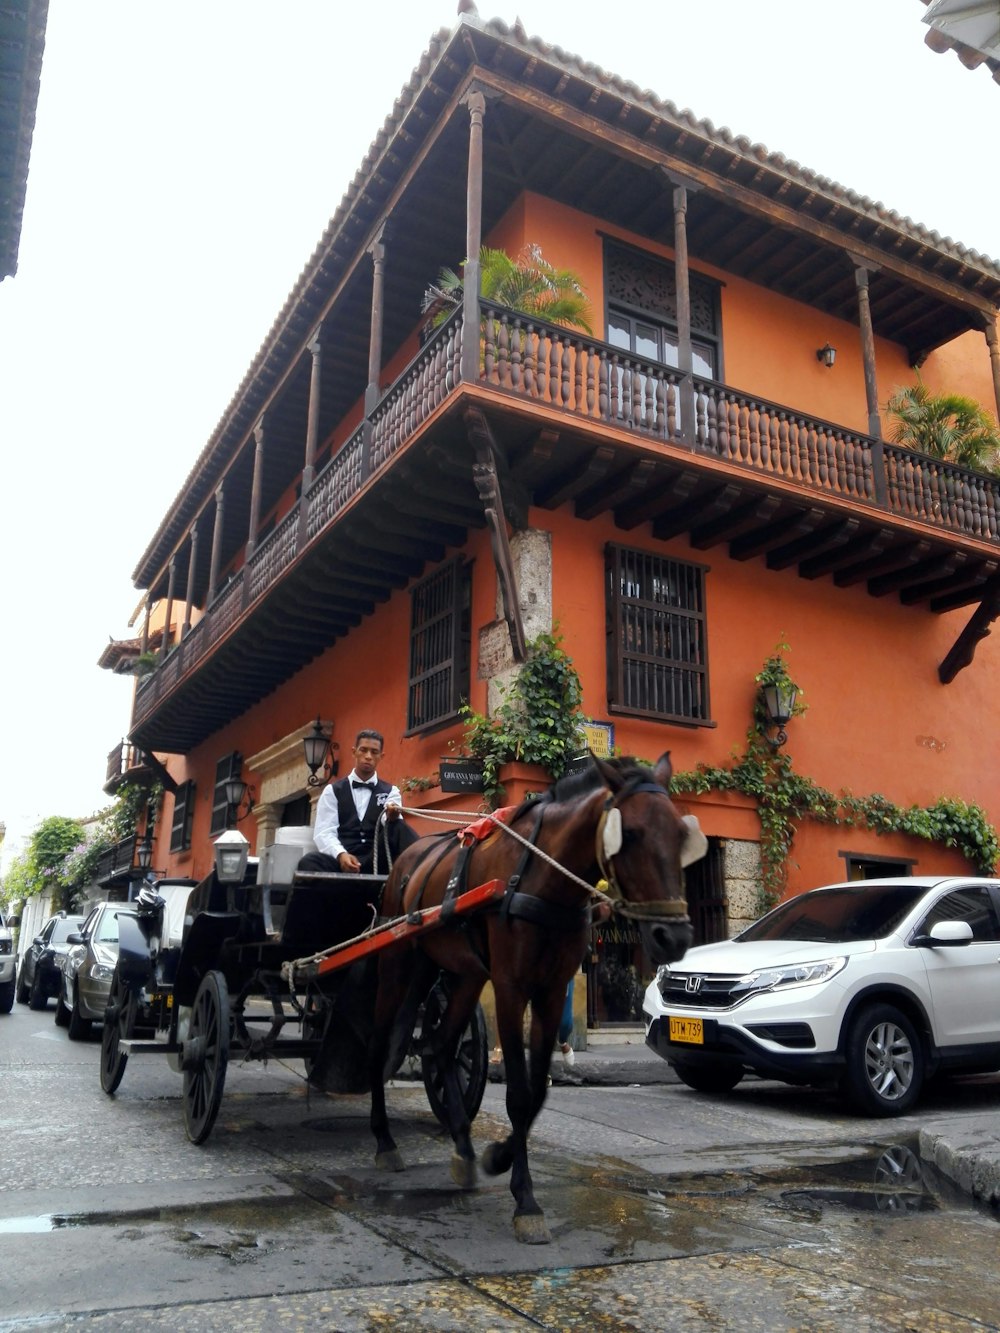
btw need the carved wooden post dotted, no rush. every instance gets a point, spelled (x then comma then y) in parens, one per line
(171, 580)
(189, 597)
(990, 329)
(685, 358)
(871, 387)
(144, 640)
(220, 516)
(255, 489)
(476, 103)
(312, 435)
(377, 252)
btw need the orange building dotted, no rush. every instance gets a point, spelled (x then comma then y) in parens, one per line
(388, 508)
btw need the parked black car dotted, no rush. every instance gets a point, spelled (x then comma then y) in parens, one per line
(39, 976)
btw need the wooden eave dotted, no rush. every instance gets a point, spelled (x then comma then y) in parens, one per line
(566, 129)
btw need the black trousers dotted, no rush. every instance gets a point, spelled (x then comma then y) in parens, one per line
(396, 834)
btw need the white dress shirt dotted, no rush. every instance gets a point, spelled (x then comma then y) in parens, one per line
(326, 834)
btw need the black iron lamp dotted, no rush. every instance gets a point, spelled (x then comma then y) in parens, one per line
(144, 853)
(239, 797)
(826, 355)
(321, 752)
(779, 705)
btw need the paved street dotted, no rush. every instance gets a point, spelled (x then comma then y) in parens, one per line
(770, 1209)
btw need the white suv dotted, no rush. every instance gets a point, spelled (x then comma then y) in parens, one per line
(871, 986)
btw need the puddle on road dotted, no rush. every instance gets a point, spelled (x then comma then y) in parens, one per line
(631, 1207)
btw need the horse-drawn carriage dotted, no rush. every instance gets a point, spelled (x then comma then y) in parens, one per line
(257, 962)
(244, 955)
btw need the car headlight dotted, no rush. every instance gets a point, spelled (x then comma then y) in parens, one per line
(790, 974)
(101, 972)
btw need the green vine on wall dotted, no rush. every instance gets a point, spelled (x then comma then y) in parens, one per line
(784, 799)
(538, 720)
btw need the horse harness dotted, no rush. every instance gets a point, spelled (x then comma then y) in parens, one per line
(527, 907)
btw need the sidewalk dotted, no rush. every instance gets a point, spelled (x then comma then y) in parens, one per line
(966, 1150)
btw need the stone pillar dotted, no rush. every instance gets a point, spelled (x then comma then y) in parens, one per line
(268, 819)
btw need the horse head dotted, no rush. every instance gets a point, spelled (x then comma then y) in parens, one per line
(643, 845)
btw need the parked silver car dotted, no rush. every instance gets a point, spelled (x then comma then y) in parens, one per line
(86, 970)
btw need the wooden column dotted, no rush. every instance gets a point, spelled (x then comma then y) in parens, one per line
(258, 477)
(868, 350)
(217, 530)
(992, 341)
(171, 581)
(189, 597)
(476, 103)
(685, 358)
(144, 640)
(377, 252)
(312, 420)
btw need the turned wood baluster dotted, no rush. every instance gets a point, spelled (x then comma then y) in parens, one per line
(660, 405)
(529, 363)
(593, 367)
(608, 387)
(517, 336)
(555, 363)
(637, 388)
(671, 410)
(503, 354)
(567, 374)
(578, 394)
(785, 462)
(489, 348)
(701, 419)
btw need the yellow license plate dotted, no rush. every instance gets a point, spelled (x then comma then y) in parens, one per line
(687, 1029)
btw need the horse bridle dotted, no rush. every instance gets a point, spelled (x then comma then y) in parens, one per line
(608, 843)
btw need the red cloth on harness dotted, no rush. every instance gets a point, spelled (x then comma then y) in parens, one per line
(480, 829)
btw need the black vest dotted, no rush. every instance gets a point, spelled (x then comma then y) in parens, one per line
(358, 835)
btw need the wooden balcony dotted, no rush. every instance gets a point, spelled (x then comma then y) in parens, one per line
(579, 422)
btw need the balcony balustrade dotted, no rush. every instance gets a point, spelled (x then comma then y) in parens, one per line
(593, 382)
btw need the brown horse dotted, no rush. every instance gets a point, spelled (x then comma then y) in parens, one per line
(613, 820)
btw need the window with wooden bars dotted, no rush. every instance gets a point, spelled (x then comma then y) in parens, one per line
(183, 821)
(656, 636)
(230, 766)
(440, 640)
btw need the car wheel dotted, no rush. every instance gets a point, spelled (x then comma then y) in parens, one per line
(885, 1062)
(6, 997)
(62, 1013)
(37, 999)
(709, 1078)
(78, 1027)
(22, 988)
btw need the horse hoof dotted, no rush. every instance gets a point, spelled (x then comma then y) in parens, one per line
(392, 1160)
(495, 1161)
(463, 1172)
(530, 1229)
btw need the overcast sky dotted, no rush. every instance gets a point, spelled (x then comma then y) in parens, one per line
(186, 158)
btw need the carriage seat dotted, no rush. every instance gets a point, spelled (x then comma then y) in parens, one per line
(278, 862)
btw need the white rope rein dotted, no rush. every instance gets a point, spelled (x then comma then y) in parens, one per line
(460, 819)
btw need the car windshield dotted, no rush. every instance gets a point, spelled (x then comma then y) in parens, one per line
(107, 927)
(839, 916)
(64, 927)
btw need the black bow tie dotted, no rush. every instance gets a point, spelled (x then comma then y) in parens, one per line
(368, 786)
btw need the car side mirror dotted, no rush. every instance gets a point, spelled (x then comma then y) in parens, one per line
(945, 932)
(38, 940)
(75, 938)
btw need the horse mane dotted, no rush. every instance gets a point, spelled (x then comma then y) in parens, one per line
(583, 781)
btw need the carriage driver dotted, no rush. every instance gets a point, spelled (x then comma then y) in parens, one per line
(348, 811)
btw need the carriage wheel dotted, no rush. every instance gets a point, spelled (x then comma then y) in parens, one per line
(206, 1055)
(119, 1025)
(472, 1062)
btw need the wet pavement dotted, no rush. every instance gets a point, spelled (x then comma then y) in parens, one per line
(769, 1209)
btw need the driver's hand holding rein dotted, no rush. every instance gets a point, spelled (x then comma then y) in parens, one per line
(348, 812)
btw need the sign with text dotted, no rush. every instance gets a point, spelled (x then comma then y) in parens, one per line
(460, 775)
(600, 738)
